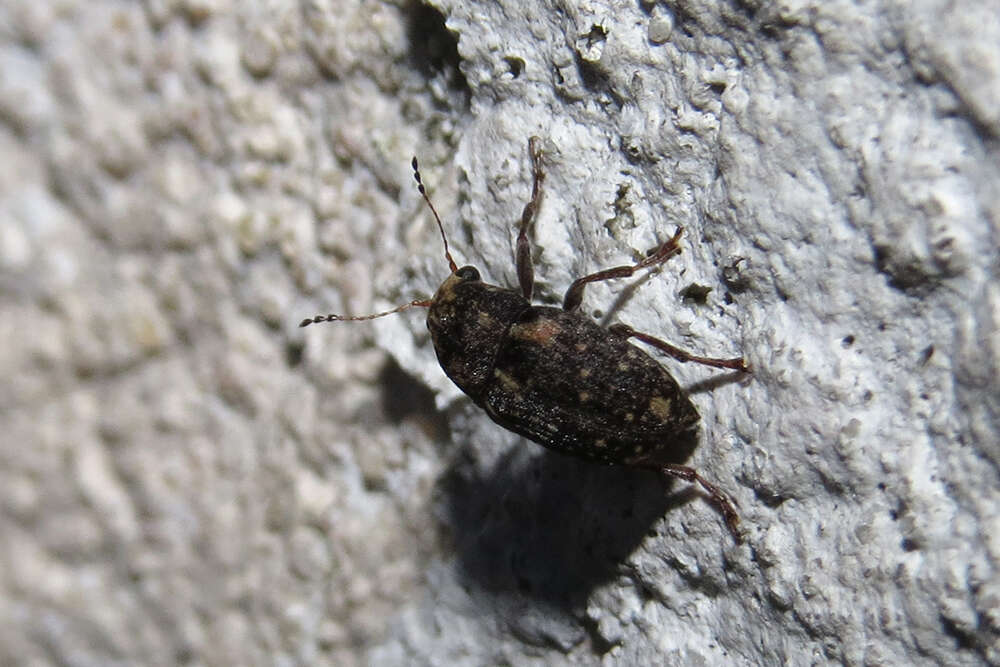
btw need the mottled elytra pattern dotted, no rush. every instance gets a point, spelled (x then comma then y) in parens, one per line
(552, 374)
(615, 405)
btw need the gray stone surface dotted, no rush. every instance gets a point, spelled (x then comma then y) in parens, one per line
(188, 478)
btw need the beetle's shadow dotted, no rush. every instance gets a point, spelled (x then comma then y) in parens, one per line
(549, 527)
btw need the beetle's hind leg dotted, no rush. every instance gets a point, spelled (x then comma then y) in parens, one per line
(574, 295)
(721, 501)
(525, 270)
(738, 364)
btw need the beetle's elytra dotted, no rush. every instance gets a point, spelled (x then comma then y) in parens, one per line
(552, 374)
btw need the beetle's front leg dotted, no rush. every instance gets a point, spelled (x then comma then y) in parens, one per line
(525, 270)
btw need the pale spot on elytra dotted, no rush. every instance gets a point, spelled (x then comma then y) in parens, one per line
(660, 406)
(585, 373)
(584, 396)
(601, 443)
(507, 381)
(629, 416)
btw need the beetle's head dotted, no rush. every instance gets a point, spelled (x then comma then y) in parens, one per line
(468, 320)
(456, 296)
(463, 276)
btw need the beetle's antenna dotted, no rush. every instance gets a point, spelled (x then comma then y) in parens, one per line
(426, 303)
(423, 193)
(420, 303)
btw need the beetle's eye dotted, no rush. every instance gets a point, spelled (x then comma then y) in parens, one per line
(468, 273)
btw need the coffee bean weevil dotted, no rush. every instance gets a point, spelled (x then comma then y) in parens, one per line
(552, 374)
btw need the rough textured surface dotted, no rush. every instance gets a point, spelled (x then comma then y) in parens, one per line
(186, 477)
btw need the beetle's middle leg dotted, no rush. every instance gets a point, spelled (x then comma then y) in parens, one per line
(738, 364)
(574, 295)
(525, 270)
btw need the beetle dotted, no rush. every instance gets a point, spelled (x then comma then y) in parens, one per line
(554, 375)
